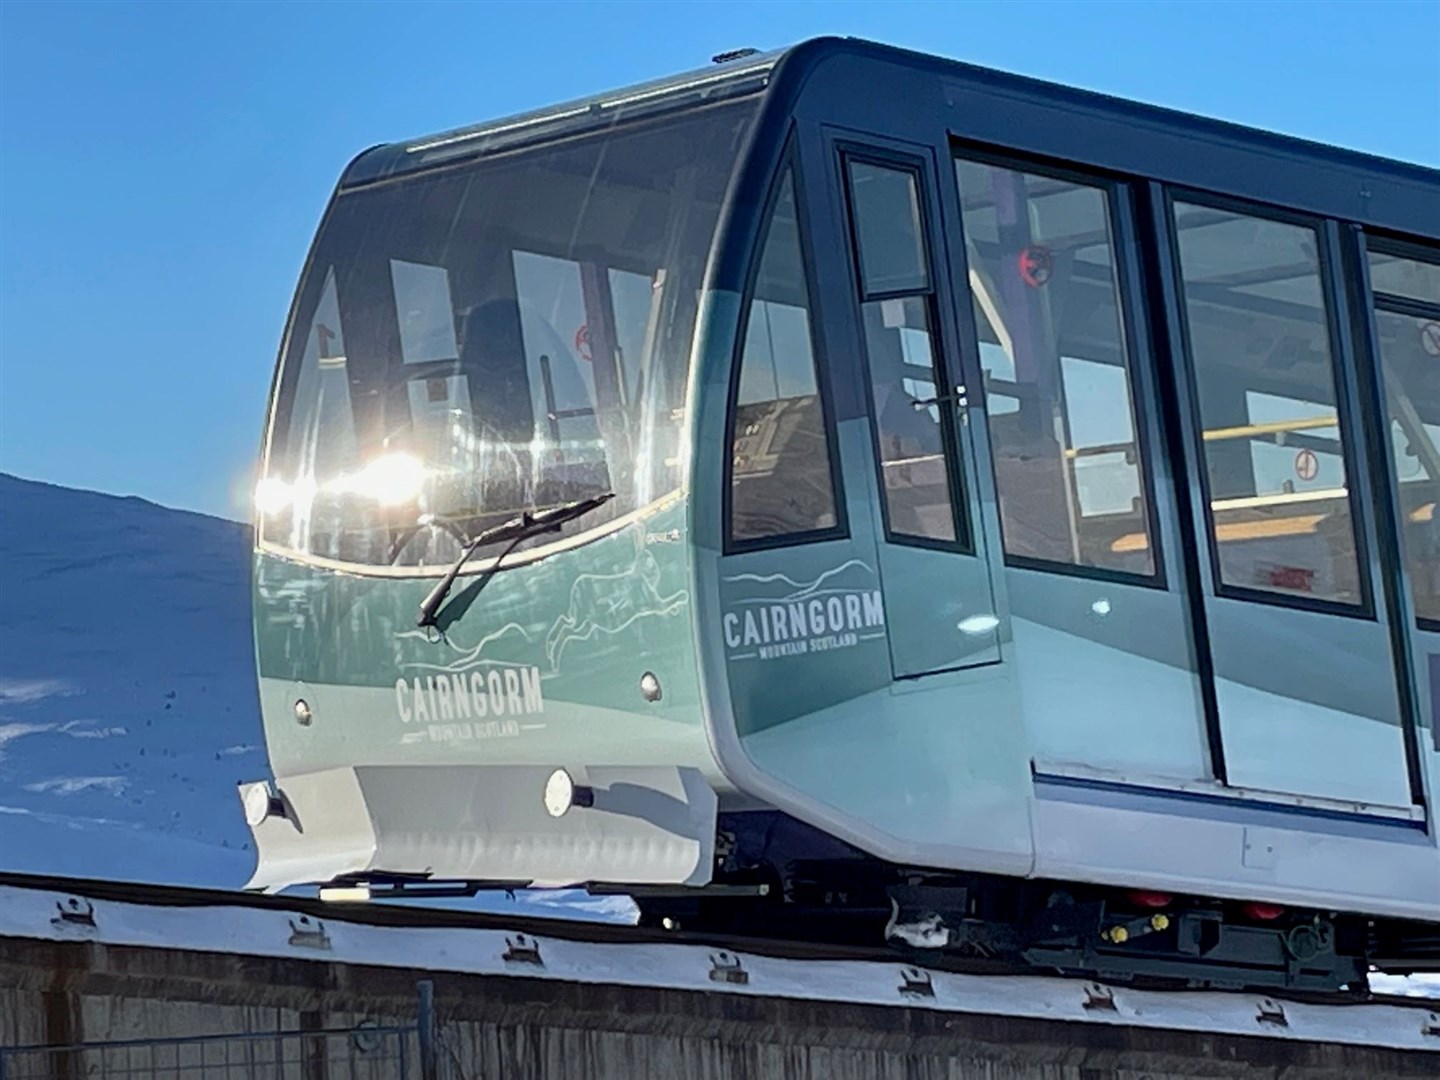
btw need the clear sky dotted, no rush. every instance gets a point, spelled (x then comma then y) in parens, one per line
(163, 165)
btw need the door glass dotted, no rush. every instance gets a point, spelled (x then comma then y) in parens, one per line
(907, 419)
(888, 229)
(1060, 403)
(1265, 382)
(1409, 339)
(913, 408)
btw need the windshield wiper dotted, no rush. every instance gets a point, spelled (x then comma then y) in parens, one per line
(525, 525)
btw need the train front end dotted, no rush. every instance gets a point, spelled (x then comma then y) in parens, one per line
(473, 609)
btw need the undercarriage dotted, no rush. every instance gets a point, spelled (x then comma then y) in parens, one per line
(766, 888)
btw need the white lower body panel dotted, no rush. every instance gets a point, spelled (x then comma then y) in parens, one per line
(1236, 849)
(489, 823)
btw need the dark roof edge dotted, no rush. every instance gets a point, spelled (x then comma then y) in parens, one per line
(1160, 115)
(798, 59)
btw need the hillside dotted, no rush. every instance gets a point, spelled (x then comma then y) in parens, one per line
(128, 707)
(128, 704)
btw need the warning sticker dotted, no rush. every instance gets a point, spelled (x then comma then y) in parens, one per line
(1307, 465)
(1036, 265)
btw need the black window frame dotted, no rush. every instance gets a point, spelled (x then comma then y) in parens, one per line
(788, 164)
(1395, 304)
(848, 151)
(1141, 368)
(1347, 420)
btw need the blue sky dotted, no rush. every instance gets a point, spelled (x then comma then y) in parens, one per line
(163, 165)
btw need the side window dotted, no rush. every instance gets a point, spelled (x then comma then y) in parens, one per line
(1406, 287)
(1265, 380)
(913, 408)
(781, 482)
(1060, 400)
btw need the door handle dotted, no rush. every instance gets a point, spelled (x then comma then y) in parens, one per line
(959, 398)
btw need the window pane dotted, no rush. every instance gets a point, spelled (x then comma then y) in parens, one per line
(1410, 359)
(1399, 276)
(1265, 381)
(1057, 374)
(912, 447)
(887, 228)
(781, 479)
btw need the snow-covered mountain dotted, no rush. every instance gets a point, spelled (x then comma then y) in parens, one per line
(128, 707)
(128, 704)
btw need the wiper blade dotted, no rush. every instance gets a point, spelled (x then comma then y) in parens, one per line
(521, 527)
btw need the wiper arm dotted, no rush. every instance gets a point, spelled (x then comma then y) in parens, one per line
(527, 524)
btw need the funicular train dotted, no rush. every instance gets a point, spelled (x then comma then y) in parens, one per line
(847, 493)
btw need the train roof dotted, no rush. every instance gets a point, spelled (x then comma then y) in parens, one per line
(783, 73)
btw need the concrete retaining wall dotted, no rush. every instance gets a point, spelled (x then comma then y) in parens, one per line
(521, 1028)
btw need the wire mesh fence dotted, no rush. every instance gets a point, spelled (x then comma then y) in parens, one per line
(365, 1053)
(368, 1051)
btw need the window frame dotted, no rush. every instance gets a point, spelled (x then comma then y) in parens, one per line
(1347, 420)
(1375, 301)
(1140, 365)
(847, 151)
(787, 164)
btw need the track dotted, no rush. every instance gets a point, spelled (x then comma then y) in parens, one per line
(56, 895)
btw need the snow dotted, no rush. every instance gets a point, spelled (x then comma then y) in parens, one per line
(128, 702)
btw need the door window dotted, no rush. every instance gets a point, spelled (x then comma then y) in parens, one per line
(1060, 400)
(914, 406)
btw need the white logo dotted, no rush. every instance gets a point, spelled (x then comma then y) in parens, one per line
(806, 619)
(500, 691)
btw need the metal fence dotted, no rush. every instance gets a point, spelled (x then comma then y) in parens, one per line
(365, 1052)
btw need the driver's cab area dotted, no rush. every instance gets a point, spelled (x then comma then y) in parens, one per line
(498, 336)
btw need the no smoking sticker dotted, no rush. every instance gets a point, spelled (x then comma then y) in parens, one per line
(1430, 337)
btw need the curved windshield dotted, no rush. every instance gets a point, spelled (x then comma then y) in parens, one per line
(498, 336)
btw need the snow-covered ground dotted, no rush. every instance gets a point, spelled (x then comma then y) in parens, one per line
(128, 707)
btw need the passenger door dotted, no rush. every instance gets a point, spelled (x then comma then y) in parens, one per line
(1097, 592)
(938, 591)
(1297, 626)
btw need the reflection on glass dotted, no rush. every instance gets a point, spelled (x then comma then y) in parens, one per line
(1265, 382)
(907, 421)
(1060, 408)
(520, 325)
(1410, 365)
(780, 459)
(423, 312)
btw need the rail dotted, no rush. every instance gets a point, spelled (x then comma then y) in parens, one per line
(448, 940)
